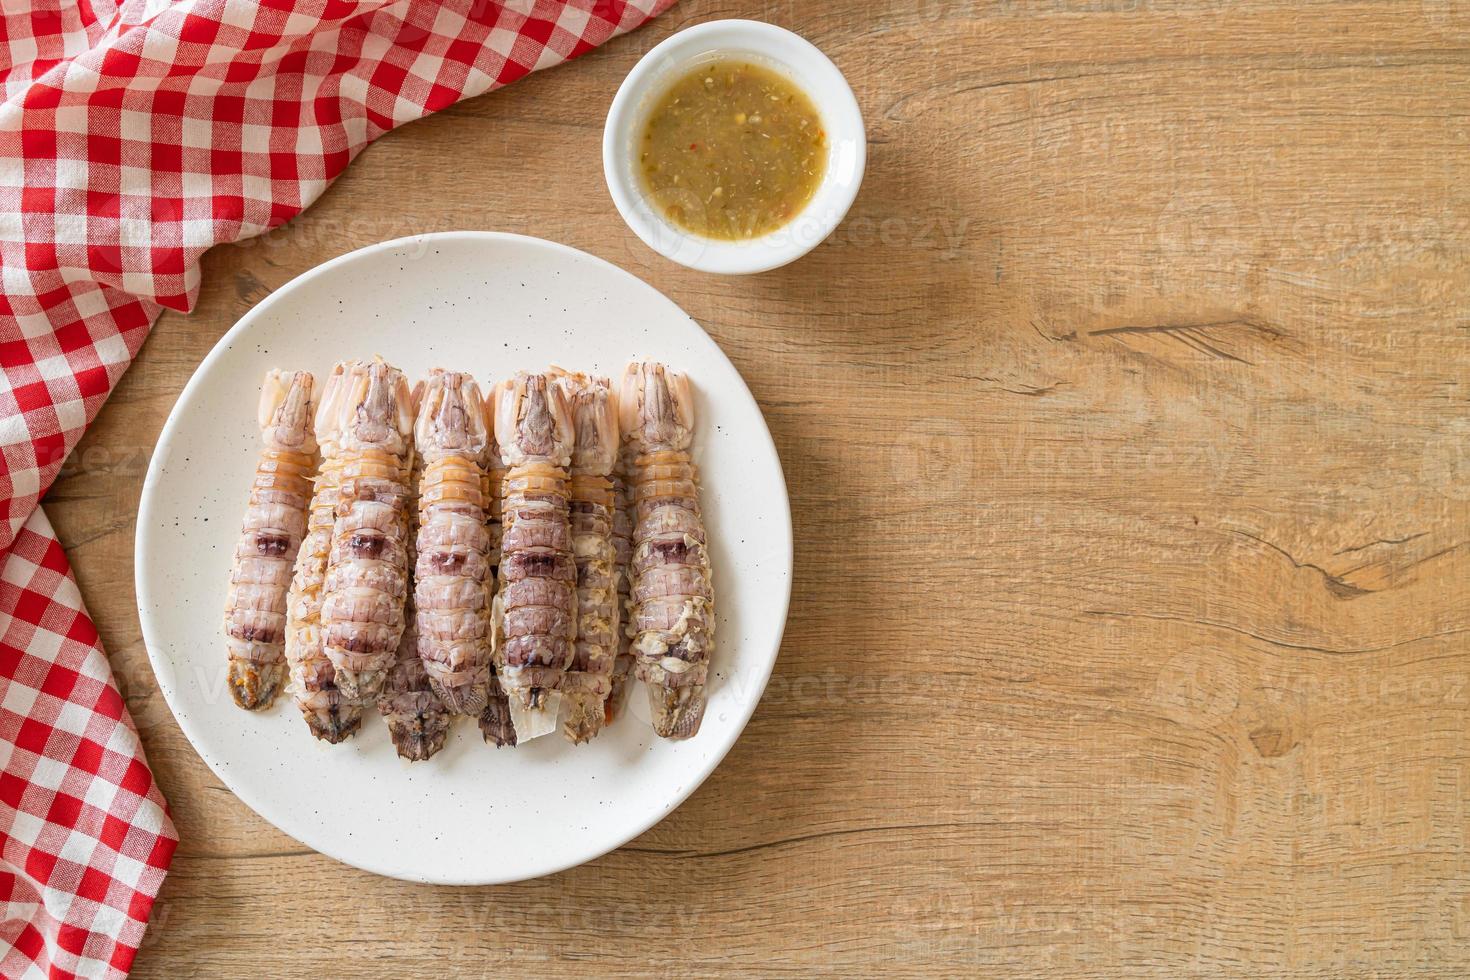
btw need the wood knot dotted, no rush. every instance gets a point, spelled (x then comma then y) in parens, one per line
(1271, 720)
(1272, 742)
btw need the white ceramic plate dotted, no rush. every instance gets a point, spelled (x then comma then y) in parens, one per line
(473, 814)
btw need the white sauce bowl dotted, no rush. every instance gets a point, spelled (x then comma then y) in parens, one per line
(775, 48)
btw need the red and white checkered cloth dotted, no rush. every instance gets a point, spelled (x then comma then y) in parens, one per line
(133, 137)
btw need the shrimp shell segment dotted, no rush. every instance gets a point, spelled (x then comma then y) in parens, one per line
(270, 538)
(537, 604)
(370, 417)
(452, 582)
(672, 594)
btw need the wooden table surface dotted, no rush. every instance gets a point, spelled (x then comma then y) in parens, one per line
(1126, 428)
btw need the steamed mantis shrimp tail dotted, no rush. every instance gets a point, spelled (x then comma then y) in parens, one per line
(418, 721)
(673, 597)
(270, 537)
(496, 724)
(418, 725)
(371, 420)
(538, 597)
(453, 579)
(330, 716)
(584, 716)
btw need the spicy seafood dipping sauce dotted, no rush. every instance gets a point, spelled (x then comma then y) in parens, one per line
(732, 150)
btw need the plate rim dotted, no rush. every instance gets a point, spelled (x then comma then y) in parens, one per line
(151, 634)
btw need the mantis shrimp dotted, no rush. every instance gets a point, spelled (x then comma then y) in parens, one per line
(328, 714)
(275, 522)
(417, 720)
(537, 604)
(673, 598)
(588, 680)
(452, 579)
(369, 416)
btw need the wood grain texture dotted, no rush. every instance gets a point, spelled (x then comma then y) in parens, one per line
(1126, 428)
